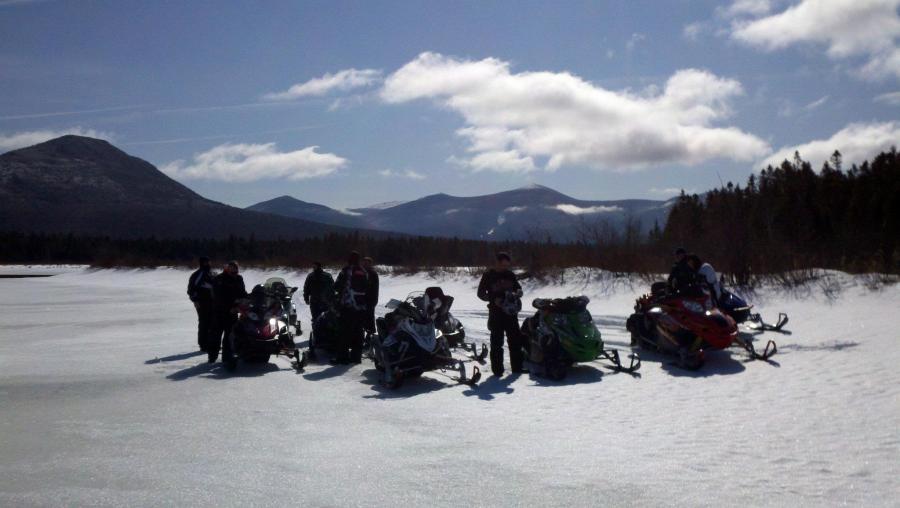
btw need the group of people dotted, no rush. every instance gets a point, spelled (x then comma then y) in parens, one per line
(354, 296)
(690, 273)
(214, 296)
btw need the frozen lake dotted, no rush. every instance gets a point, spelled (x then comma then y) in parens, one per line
(105, 402)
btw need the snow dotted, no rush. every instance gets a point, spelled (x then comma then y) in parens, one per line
(104, 402)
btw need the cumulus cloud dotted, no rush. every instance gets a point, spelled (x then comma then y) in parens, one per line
(347, 79)
(857, 142)
(27, 138)
(251, 162)
(412, 175)
(585, 210)
(520, 122)
(847, 28)
(746, 7)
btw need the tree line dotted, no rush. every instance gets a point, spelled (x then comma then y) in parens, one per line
(784, 219)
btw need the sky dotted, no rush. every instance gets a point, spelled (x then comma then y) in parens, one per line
(349, 104)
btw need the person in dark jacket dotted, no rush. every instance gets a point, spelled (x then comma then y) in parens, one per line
(372, 293)
(682, 277)
(500, 288)
(228, 287)
(318, 290)
(200, 291)
(352, 288)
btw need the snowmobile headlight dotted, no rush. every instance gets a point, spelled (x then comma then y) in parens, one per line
(273, 323)
(693, 306)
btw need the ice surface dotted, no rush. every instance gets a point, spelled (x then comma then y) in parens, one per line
(103, 401)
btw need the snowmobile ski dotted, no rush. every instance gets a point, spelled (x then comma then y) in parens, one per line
(475, 354)
(762, 325)
(612, 355)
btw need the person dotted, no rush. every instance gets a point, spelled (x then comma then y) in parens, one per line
(681, 277)
(707, 275)
(500, 288)
(372, 293)
(228, 287)
(200, 291)
(352, 287)
(318, 290)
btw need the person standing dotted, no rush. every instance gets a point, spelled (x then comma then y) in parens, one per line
(352, 287)
(200, 291)
(318, 290)
(500, 288)
(228, 287)
(372, 293)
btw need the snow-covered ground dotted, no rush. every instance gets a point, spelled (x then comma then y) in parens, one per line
(104, 401)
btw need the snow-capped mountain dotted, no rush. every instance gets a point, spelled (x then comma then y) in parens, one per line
(531, 212)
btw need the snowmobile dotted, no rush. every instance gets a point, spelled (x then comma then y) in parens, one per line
(408, 342)
(740, 311)
(277, 287)
(262, 330)
(684, 325)
(326, 333)
(562, 333)
(452, 329)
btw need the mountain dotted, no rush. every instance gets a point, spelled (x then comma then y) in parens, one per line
(533, 212)
(292, 207)
(87, 186)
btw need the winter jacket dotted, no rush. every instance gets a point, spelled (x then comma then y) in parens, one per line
(372, 293)
(495, 284)
(682, 276)
(352, 287)
(226, 289)
(318, 287)
(200, 285)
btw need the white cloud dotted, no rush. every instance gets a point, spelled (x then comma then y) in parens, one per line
(515, 209)
(671, 191)
(848, 28)
(587, 210)
(746, 7)
(347, 79)
(27, 138)
(892, 98)
(251, 162)
(816, 103)
(412, 175)
(634, 40)
(514, 120)
(857, 142)
(692, 31)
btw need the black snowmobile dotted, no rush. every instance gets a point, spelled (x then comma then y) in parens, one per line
(454, 331)
(262, 329)
(741, 312)
(409, 343)
(562, 333)
(326, 334)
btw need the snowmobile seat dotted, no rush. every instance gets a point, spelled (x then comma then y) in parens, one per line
(561, 305)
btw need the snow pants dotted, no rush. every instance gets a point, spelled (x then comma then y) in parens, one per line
(500, 323)
(204, 322)
(352, 333)
(220, 337)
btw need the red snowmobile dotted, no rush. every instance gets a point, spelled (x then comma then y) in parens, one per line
(685, 324)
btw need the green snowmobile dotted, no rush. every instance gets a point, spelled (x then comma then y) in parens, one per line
(562, 333)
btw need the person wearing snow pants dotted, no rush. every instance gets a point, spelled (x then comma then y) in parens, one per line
(500, 323)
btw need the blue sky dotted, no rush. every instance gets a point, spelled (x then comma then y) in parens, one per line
(600, 100)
